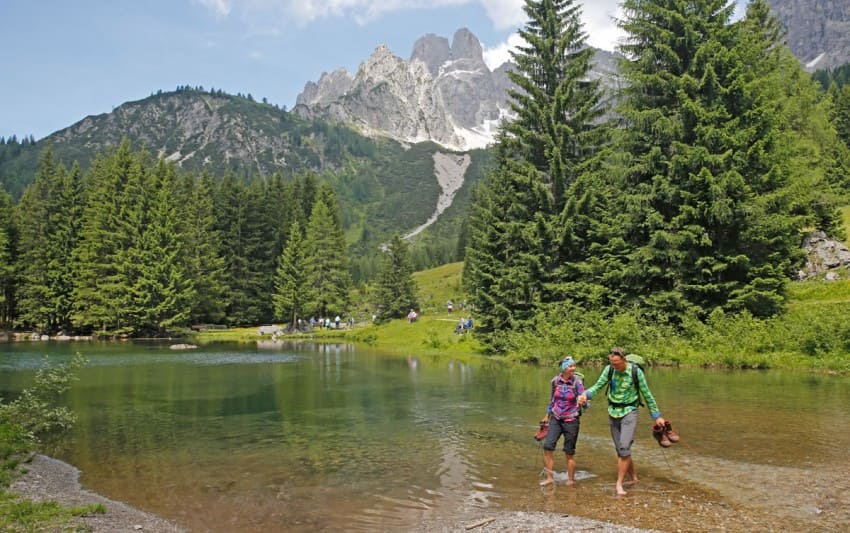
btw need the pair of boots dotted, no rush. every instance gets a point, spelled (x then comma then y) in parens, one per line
(665, 434)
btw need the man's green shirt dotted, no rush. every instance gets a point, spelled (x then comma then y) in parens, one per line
(624, 392)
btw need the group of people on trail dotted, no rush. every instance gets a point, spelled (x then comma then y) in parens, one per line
(327, 323)
(626, 390)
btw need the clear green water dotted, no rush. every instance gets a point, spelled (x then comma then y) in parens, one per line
(332, 437)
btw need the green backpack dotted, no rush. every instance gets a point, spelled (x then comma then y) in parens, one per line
(637, 362)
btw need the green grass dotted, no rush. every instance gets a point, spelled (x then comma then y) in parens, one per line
(19, 514)
(813, 334)
(438, 285)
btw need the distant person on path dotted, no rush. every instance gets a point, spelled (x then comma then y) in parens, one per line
(562, 417)
(449, 306)
(624, 397)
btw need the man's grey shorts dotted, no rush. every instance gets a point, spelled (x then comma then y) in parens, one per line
(623, 432)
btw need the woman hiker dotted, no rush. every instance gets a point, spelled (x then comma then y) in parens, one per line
(623, 400)
(562, 417)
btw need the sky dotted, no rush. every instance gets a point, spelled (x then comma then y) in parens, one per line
(65, 60)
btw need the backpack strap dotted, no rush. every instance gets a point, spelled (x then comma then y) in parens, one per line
(636, 383)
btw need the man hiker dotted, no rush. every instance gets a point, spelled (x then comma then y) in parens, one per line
(624, 396)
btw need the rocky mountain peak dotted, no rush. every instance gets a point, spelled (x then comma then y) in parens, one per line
(445, 94)
(465, 45)
(431, 50)
(330, 87)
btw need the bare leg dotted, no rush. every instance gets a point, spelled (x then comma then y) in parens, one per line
(571, 469)
(549, 467)
(632, 474)
(623, 465)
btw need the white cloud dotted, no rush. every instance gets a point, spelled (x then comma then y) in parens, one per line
(220, 8)
(499, 54)
(504, 13)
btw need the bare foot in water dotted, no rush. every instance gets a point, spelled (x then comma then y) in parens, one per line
(621, 491)
(571, 482)
(546, 483)
(631, 482)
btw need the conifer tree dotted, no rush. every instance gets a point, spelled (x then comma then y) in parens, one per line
(291, 290)
(842, 115)
(557, 105)
(48, 216)
(512, 242)
(395, 288)
(705, 209)
(328, 278)
(161, 290)
(201, 252)
(506, 261)
(240, 210)
(103, 263)
(8, 259)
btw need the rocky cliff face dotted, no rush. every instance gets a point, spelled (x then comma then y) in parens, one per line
(444, 93)
(818, 30)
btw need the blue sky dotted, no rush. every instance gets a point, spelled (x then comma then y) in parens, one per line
(64, 60)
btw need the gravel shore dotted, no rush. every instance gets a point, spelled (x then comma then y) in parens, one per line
(47, 479)
(53, 480)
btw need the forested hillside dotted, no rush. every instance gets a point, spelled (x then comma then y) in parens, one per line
(383, 186)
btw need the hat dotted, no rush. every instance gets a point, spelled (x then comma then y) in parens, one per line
(567, 362)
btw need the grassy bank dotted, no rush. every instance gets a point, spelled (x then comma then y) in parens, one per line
(813, 334)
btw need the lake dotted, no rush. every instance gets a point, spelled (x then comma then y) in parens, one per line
(304, 436)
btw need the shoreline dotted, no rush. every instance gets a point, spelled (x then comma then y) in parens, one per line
(48, 479)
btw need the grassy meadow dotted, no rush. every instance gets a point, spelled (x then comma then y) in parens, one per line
(814, 333)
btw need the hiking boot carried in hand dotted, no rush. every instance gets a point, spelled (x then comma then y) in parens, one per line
(544, 429)
(668, 430)
(661, 436)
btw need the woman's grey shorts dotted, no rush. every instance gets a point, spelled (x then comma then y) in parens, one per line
(568, 429)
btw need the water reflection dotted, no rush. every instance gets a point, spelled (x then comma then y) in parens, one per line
(330, 436)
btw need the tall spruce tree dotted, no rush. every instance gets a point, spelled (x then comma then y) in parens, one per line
(103, 261)
(162, 289)
(48, 216)
(512, 240)
(291, 293)
(395, 288)
(556, 103)
(506, 260)
(202, 252)
(328, 278)
(240, 219)
(705, 207)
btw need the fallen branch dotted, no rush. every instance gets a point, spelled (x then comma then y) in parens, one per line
(481, 523)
